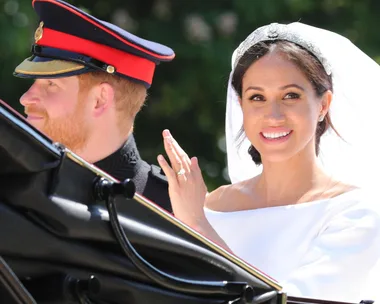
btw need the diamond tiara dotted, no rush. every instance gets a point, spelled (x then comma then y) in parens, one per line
(276, 31)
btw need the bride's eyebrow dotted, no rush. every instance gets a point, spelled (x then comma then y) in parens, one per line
(254, 88)
(293, 85)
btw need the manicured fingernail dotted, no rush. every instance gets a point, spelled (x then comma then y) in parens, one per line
(166, 133)
(160, 158)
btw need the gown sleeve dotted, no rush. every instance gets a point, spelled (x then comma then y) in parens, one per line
(338, 264)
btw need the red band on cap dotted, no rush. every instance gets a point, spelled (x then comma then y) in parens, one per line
(103, 28)
(124, 63)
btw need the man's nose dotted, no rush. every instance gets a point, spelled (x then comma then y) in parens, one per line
(30, 97)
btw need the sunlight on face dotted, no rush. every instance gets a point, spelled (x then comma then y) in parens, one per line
(53, 107)
(280, 108)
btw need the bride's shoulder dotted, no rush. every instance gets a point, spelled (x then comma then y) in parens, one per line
(221, 198)
(348, 192)
(348, 198)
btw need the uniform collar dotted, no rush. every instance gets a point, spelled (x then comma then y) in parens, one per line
(124, 163)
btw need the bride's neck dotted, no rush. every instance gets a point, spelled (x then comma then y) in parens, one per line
(291, 181)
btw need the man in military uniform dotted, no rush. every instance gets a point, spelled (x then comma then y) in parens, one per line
(91, 79)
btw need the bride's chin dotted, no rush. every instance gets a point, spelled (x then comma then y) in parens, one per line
(276, 158)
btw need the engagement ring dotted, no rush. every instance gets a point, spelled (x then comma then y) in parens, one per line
(181, 172)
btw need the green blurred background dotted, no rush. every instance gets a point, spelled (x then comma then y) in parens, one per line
(188, 94)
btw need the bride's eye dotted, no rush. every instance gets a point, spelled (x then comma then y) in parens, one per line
(257, 97)
(292, 96)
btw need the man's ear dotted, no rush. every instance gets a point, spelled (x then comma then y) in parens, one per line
(104, 98)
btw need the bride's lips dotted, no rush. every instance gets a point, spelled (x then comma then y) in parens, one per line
(275, 135)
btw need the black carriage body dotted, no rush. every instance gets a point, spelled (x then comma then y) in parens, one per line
(58, 247)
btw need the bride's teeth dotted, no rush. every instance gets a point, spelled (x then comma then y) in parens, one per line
(275, 135)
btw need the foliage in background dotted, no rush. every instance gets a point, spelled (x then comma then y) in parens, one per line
(188, 94)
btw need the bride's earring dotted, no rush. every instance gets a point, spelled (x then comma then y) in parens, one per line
(321, 118)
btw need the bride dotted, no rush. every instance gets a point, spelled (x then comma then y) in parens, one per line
(303, 159)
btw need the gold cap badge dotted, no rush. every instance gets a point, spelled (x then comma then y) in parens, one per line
(110, 69)
(39, 32)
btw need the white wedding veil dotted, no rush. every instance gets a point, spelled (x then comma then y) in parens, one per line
(355, 108)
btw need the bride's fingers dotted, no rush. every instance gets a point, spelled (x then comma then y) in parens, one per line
(173, 156)
(169, 172)
(181, 154)
(196, 170)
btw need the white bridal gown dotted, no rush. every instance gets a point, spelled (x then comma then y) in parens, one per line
(325, 249)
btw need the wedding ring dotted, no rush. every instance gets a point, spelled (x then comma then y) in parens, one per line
(181, 172)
